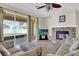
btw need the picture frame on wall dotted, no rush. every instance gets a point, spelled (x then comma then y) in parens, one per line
(62, 18)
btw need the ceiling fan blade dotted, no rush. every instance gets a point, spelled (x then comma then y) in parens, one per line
(41, 7)
(55, 5)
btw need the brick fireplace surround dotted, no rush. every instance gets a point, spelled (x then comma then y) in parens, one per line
(63, 32)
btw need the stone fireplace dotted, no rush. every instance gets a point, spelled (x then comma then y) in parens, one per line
(61, 33)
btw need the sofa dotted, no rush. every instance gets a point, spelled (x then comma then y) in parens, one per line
(7, 49)
(67, 49)
(9, 45)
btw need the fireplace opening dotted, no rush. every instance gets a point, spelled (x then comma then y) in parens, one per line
(62, 35)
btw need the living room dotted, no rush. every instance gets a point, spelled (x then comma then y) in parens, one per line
(27, 30)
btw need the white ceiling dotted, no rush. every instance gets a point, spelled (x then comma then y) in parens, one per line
(30, 8)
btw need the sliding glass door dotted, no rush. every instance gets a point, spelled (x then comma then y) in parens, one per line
(8, 24)
(15, 27)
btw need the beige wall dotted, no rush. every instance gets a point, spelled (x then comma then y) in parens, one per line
(43, 23)
(54, 20)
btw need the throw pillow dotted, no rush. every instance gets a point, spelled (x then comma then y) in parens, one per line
(0, 54)
(4, 51)
(25, 47)
(75, 46)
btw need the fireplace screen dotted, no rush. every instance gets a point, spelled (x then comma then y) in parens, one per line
(62, 35)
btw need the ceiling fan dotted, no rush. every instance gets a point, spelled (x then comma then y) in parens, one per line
(49, 6)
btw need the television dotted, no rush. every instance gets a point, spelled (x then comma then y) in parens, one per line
(43, 31)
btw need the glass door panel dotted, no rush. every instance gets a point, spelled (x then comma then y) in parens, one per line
(8, 28)
(8, 24)
(21, 29)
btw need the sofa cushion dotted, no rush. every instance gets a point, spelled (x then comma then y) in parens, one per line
(33, 52)
(71, 40)
(73, 53)
(13, 50)
(25, 47)
(4, 51)
(75, 46)
(18, 53)
(64, 49)
(8, 44)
